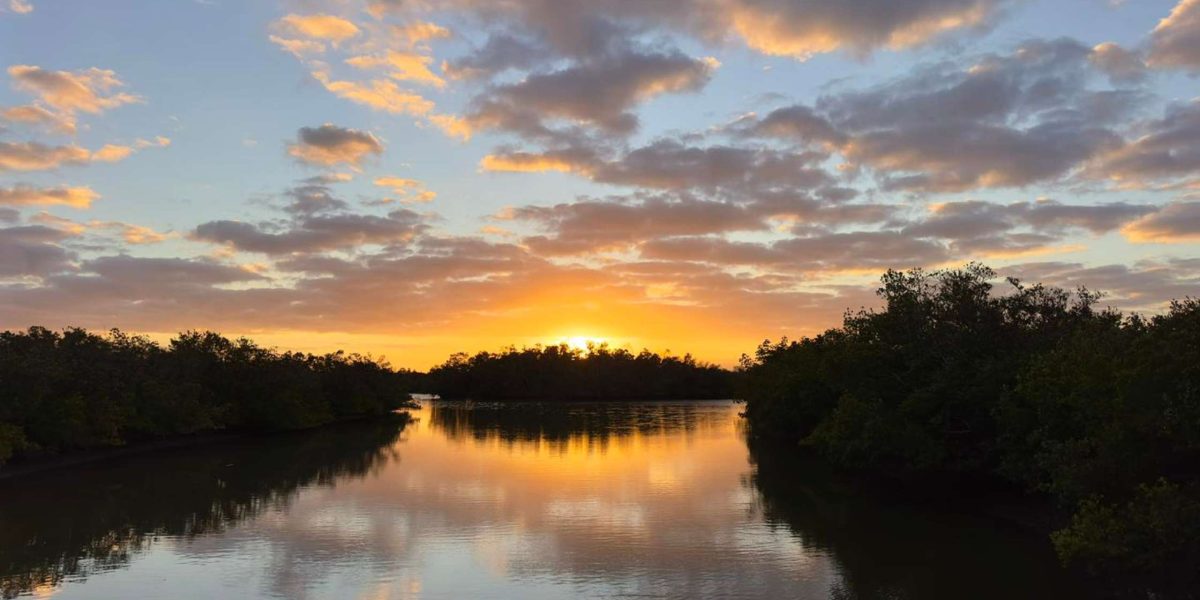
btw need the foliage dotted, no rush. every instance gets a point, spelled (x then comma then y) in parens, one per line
(1036, 386)
(76, 390)
(565, 373)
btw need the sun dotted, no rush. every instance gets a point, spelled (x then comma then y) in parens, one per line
(580, 342)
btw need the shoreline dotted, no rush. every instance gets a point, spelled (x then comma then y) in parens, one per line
(46, 464)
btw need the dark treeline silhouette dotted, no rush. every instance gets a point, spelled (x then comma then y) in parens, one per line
(953, 381)
(49, 531)
(78, 390)
(565, 373)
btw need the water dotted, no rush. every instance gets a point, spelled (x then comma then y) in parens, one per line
(641, 500)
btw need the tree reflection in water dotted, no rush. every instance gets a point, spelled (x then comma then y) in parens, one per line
(556, 424)
(66, 525)
(896, 545)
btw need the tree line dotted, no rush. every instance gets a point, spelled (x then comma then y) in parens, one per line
(954, 381)
(74, 390)
(560, 372)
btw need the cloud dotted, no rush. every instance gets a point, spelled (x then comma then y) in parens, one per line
(416, 33)
(33, 156)
(1121, 65)
(850, 251)
(32, 250)
(1167, 149)
(36, 115)
(673, 165)
(794, 28)
(528, 162)
(296, 47)
(314, 233)
(990, 230)
(802, 28)
(130, 233)
(797, 123)
(597, 93)
(408, 190)
(1175, 42)
(379, 94)
(992, 122)
(330, 145)
(1176, 223)
(27, 195)
(112, 153)
(501, 53)
(313, 196)
(143, 274)
(1143, 285)
(21, 7)
(403, 66)
(592, 225)
(127, 232)
(319, 26)
(69, 92)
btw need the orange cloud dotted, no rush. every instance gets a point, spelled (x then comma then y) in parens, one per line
(453, 126)
(410, 190)
(32, 156)
(320, 26)
(404, 66)
(112, 153)
(85, 91)
(1175, 42)
(1176, 223)
(298, 48)
(133, 234)
(27, 195)
(524, 162)
(36, 115)
(379, 94)
(418, 32)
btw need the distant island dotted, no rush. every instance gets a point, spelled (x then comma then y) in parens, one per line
(560, 372)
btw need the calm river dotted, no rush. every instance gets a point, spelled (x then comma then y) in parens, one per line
(632, 500)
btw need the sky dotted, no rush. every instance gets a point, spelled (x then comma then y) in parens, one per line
(412, 178)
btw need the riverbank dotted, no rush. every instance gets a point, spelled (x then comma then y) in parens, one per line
(39, 465)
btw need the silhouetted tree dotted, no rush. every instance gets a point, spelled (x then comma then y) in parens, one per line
(564, 373)
(1037, 387)
(75, 389)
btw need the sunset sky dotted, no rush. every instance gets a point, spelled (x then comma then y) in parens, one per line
(417, 177)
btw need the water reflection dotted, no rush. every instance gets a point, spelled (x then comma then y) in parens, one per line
(504, 501)
(559, 424)
(70, 524)
(899, 548)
